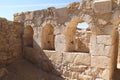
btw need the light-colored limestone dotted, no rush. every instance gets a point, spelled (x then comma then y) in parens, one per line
(104, 39)
(102, 6)
(100, 61)
(55, 30)
(60, 43)
(77, 58)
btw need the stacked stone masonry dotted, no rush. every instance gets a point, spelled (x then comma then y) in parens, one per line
(10, 41)
(49, 38)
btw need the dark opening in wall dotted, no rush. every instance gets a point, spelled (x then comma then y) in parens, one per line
(28, 36)
(47, 38)
(77, 37)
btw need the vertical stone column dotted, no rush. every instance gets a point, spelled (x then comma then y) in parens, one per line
(102, 50)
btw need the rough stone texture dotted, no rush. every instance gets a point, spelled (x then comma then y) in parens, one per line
(102, 6)
(77, 58)
(50, 40)
(100, 61)
(83, 40)
(99, 42)
(10, 40)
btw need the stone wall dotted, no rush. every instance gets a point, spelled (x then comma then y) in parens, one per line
(10, 41)
(76, 65)
(100, 60)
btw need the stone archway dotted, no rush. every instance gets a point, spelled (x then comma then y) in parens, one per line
(28, 36)
(74, 42)
(47, 38)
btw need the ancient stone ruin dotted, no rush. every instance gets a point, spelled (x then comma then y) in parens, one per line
(47, 43)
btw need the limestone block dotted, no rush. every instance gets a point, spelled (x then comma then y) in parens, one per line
(19, 17)
(68, 58)
(59, 30)
(100, 61)
(86, 18)
(53, 56)
(93, 39)
(99, 79)
(102, 21)
(80, 68)
(85, 77)
(105, 74)
(92, 71)
(104, 39)
(116, 17)
(60, 43)
(102, 50)
(93, 44)
(102, 6)
(76, 58)
(108, 29)
(29, 15)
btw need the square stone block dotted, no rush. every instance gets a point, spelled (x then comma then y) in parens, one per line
(77, 58)
(104, 39)
(100, 61)
(60, 43)
(102, 6)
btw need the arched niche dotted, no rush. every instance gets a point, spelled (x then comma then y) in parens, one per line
(47, 38)
(74, 42)
(28, 36)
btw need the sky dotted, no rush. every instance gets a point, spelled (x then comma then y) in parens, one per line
(10, 7)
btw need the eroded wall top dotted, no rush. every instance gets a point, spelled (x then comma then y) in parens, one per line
(97, 13)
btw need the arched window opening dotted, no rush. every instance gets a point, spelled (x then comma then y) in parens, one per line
(48, 37)
(28, 36)
(78, 37)
(83, 34)
(82, 25)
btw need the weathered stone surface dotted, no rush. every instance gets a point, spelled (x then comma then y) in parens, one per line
(104, 39)
(11, 46)
(102, 6)
(108, 30)
(85, 77)
(80, 68)
(99, 79)
(60, 43)
(105, 74)
(100, 61)
(102, 17)
(115, 19)
(82, 40)
(29, 15)
(77, 58)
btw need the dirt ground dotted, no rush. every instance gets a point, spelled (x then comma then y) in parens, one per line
(24, 70)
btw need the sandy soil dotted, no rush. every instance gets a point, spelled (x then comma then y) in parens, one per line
(24, 70)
